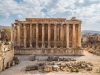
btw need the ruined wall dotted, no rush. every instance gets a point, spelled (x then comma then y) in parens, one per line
(8, 57)
(1, 63)
(6, 54)
(5, 58)
(92, 43)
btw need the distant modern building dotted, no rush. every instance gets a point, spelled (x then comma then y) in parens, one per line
(47, 36)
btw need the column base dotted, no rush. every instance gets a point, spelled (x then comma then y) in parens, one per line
(37, 47)
(31, 47)
(55, 47)
(24, 46)
(43, 47)
(61, 47)
(49, 47)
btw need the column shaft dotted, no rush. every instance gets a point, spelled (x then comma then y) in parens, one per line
(18, 34)
(36, 35)
(12, 34)
(30, 35)
(79, 35)
(49, 35)
(55, 36)
(24, 35)
(67, 35)
(61, 35)
(74, 36)
(43, 36)
(15, 35)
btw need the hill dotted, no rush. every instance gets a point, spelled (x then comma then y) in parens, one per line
(1, 26)
(90, 32)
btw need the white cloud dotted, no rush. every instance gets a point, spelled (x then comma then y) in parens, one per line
(23, 9)
(53, 8)
(81, 1)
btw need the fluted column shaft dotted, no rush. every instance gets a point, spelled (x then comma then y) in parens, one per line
(67, 35)
(55, 36)
(30, 35)
(36, 35)
(43, 36)
(24, 35)
(49, 35)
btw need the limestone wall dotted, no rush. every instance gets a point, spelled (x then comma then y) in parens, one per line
(5, 58)
(50, 51)
(8, 57)
(1, 63)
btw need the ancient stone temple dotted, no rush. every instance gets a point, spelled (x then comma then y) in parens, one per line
(47, 36)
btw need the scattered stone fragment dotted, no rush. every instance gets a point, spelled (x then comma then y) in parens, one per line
(16, 59)
(31, 67)
(32, 57)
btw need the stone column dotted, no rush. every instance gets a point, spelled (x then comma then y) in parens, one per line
(15, 35)
(55, 36)
(36, 35)
(18, 34)
(79, 35)
(43, 36)
(49, 35)
(61, 35)
(24, 35)
(74, 36)
(58, 32)
(12, 34)
(67, 35)
(30, 35)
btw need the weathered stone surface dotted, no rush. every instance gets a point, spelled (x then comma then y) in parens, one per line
(6, 55)
(51, 35)
(47, 68)
(92, 44)
(16, 59)
(32, 57)
(31, 67)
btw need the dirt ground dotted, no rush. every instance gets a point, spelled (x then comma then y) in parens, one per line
(18, 69)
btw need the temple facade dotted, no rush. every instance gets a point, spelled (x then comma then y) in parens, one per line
(46, 35)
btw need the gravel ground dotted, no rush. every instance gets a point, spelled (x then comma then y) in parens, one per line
(19, 69)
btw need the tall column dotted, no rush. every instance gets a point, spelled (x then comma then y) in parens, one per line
(55, 36)
(74, 36)
(18, 34)
(79, 35)
(67, 35)
(61, 35)
(43, 36)
(12, 34)
(15, 35)
(36, 35)
(49, 35)
(30, 35)
(58, 32)
(24, 35)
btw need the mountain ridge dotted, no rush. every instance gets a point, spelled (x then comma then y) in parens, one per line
(1, 26)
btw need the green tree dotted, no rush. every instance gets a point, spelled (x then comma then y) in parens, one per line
(6, 34)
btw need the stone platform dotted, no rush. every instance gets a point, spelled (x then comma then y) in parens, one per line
(50, 51)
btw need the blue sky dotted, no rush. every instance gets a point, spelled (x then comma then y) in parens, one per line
(88, 11)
